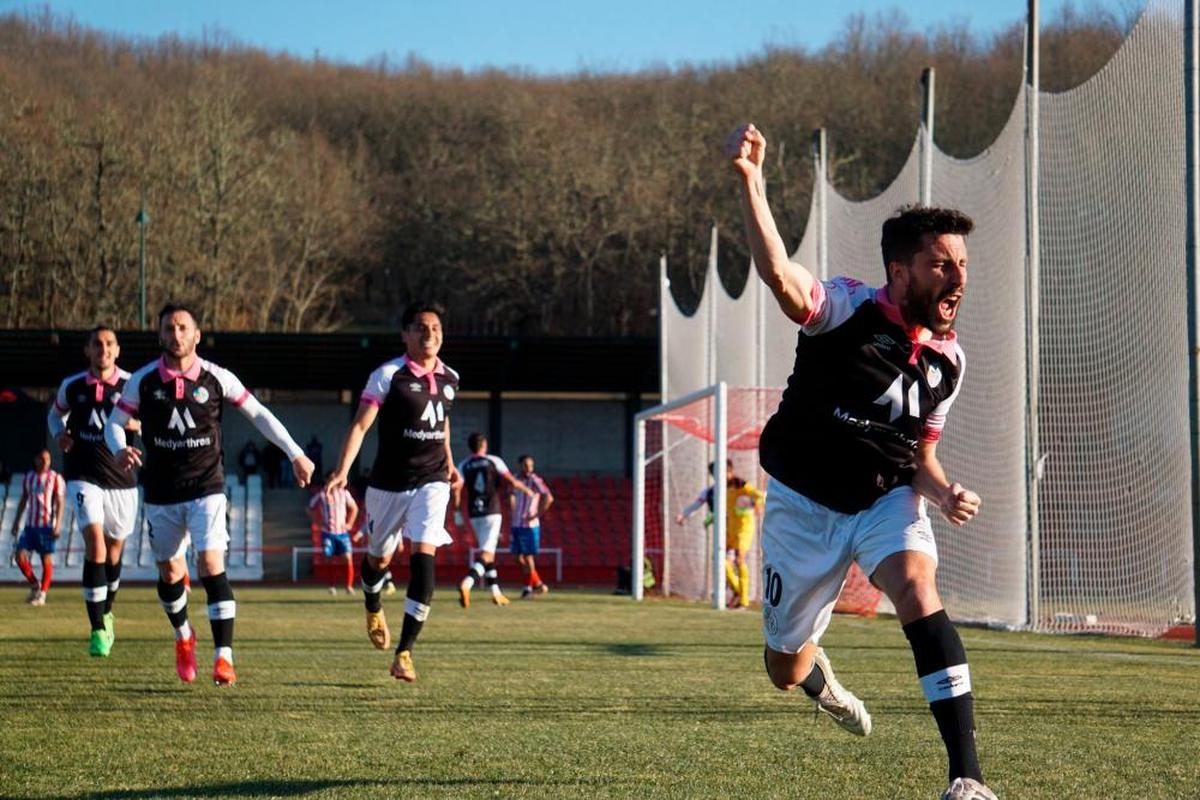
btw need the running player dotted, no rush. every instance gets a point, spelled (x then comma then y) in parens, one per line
(527, 526)
(42, 505)
(105, 496)
(410, 483)
(180, 399)
(743, 507)
(852, 455)
(336, 511)
(483, 474)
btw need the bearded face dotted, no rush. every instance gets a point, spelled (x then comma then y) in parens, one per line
(931, 287)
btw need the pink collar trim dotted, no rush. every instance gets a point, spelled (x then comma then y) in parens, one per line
(166, 373)
(946, 344)
(420, 372)
(92, 380)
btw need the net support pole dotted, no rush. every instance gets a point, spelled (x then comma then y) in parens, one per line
(820, 169)
(927, 91)
(1191, 83)
(710, 334)
(637, 576)
(720, 496)
(1033, 461)
(664, 284)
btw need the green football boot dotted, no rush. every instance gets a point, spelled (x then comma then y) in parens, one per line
(101, 644)
(110, 625)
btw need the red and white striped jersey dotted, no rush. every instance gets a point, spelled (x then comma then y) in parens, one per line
(334, 510)
(526, 505)
(40, 490)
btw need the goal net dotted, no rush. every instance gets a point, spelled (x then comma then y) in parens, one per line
(675, 444)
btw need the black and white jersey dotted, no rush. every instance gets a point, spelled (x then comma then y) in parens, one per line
(414, 405)
(862, 395)
(87, 401)
(181, 427)
(482, 477)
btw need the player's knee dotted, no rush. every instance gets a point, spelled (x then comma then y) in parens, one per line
(785, 670)
(915, 596)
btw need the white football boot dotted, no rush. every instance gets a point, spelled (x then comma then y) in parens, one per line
(967, 789)
(837, 701)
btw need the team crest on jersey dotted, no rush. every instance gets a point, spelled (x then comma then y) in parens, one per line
(933, 375)
(448, 390)
(200, 394)
(81, 398)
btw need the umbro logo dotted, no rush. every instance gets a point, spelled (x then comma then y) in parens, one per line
(181, 422)
(950, 682)
(160, 394)
(415, 387)
(884, 342)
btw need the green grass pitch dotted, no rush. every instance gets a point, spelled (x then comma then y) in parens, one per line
(574, 694)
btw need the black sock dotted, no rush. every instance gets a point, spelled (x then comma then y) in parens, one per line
(416, 606)
(112, 574)
(373, 581)
(946, 681)
(489, 573)
(221, 608)
(95, 592)
(174, 601)
(814, 683)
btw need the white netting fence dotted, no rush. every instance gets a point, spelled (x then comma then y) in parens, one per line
(1113, 548)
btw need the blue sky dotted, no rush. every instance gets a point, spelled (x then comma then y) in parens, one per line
(540, 36)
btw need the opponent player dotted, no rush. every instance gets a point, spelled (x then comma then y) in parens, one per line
(527, 526)
(42, 505)
(179, 399)
(410, 483)
(336, 511)
(105, 496)
(483, 474)
(852, 455)
(743, 506)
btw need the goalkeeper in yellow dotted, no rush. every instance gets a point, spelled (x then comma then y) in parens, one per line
(743, 504)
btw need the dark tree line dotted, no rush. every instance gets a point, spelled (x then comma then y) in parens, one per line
(298, 195)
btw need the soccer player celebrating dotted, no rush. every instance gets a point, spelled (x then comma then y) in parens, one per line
(409, 488)
(852, 455)
(105, 496)
(179, 399)
(335, 510)
(527, 527)
(42, 504)
(483, 474)
(743, 504)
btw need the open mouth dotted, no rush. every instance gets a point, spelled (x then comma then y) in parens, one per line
(948, 306)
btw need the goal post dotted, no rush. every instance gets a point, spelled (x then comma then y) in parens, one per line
(710, 404)
(674, 444)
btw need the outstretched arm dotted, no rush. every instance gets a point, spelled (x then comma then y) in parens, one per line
(364, 418)
(270, 426)
(957, 503)
(791, 283)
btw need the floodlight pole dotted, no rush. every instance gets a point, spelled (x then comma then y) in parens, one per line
(1191, 101)
(1033, 462)
(927, 87)
(142, 219)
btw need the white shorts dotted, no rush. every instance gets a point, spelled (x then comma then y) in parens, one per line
(200, 522)
(487, 531)
(418, 515)
(807, 549)
(114, 510)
